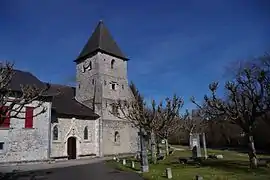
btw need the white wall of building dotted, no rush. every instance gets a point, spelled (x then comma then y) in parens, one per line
(27, 144)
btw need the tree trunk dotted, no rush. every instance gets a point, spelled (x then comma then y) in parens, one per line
(190, 141)
(252, 153)
(144, 157)
(204, 146)
(158, 148)
(153, 148)
(166, 147)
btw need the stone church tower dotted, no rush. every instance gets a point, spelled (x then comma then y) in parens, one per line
(101, 75)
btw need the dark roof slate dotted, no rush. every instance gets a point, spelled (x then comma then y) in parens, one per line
(24, 78)
(63, 101)
(101, 40)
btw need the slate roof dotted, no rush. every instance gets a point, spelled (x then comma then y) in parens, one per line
(24, 78)
(63, 103)
(101, 40)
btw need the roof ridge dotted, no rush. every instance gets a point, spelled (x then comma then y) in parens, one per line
(100, 34)
(61, 85)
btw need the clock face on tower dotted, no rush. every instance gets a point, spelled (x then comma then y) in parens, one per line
(86, 66)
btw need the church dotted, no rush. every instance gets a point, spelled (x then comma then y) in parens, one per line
(79, 121)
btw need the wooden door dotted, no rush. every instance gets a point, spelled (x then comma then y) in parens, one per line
(71, 148)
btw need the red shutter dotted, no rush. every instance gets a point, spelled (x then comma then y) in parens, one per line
(6, 122)
(29, 117)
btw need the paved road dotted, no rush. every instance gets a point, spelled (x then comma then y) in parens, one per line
(94, 171)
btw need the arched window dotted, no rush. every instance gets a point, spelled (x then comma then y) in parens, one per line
(55, 132)
(112, 63)
(85, 133)
(117, 137)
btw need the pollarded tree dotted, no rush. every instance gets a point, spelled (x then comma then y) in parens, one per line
(167, 119)
(246, 100)
(12, 102)
(256, 66)
(264, 67)
(192, 123)
(140, 116)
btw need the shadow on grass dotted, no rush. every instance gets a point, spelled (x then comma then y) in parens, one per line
(241, 150)
(30, 175)
(234, 166)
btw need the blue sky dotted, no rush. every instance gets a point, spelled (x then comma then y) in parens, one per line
(174, 47)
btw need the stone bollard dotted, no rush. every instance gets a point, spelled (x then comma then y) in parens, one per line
(132, 164)
(220, 156)
(169, 173)
(199, 177)
(124, 162)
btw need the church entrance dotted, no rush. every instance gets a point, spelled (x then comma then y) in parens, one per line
(71, 148)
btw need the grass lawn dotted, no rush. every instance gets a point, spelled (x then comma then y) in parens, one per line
(234, 166)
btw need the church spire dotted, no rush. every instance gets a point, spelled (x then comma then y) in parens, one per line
(101, 41)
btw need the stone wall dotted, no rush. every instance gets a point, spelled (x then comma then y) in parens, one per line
(75, 128)
(21, 144)
(127, 137)
(103, 76)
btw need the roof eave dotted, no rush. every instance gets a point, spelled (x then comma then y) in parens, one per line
(88, 117)
(81, 58)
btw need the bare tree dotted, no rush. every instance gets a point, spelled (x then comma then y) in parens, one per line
(255, 66)
(12, 102)
(168, 119)
(135, 111)
(246, 100)
(192, 123)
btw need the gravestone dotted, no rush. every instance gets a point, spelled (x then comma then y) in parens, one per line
(194, 152)
(195, 145)
(132, 164)
(124, 162)
(169, 173)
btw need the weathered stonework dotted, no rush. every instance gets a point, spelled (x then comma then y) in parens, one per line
(21, 144)
(128, 137)
(98, 86)
(103, 75)
(74, 128)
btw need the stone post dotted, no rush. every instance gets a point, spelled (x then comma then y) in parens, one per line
(199, 153)
(166, 147)
(190, 141)
(144, 158)
(169, 173)
(199, 177)
(153, 148)
(204, 146)
(132, 164)
(124, 162)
